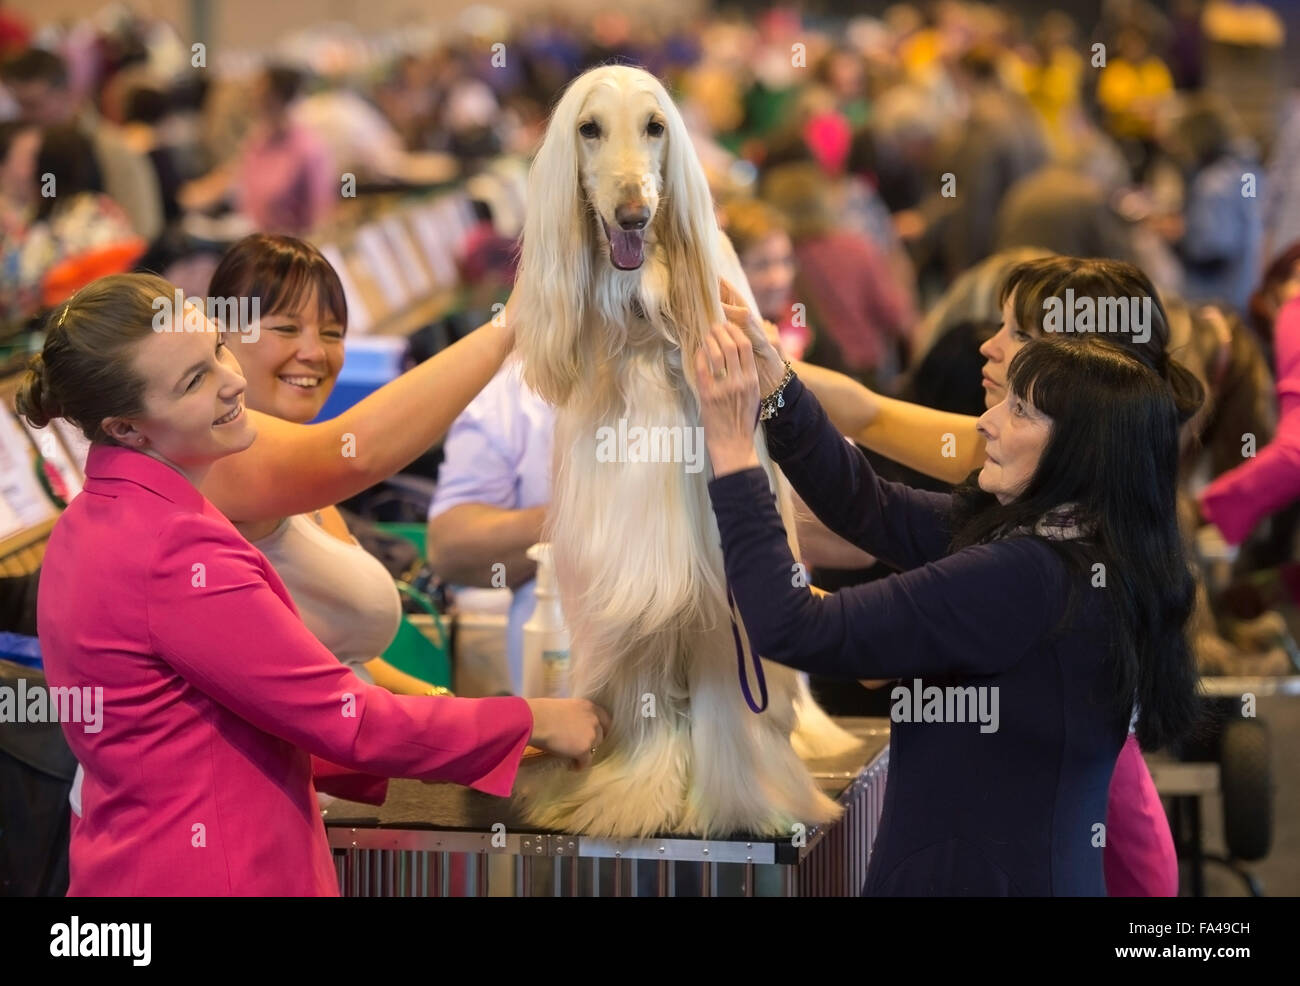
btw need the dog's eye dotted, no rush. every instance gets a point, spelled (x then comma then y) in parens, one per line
(590, 130)
(654, 128)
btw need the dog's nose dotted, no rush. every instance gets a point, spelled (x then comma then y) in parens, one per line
(632, 216)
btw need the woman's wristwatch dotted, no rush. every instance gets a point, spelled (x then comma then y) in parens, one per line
(438, 691)
(769, 405)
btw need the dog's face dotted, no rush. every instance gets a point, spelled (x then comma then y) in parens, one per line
(622, 134)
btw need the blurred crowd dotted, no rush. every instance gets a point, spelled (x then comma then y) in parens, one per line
(877, 175)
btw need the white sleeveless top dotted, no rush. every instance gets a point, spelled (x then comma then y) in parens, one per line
(344, 594)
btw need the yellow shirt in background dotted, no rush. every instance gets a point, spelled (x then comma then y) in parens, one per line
(1129, 93)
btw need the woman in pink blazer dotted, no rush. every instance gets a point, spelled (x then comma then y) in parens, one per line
(215, 697)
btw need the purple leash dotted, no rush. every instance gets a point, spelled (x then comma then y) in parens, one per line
(740, 661)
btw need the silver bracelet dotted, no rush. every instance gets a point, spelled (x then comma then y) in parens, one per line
(769, 405)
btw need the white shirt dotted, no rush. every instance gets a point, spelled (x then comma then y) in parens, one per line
(498, 453)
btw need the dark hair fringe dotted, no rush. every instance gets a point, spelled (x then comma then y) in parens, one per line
(280, 271)
(1034, 281)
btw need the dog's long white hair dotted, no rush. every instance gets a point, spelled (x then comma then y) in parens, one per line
(617, 288)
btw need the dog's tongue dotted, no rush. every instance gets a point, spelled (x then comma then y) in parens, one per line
(627, 247)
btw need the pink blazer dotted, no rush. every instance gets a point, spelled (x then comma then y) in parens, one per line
(216, 696)
(1242, 497)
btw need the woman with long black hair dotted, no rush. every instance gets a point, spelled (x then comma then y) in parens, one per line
(1048, 603)
(1140, 859)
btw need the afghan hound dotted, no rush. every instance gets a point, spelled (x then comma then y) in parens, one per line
(618, 285)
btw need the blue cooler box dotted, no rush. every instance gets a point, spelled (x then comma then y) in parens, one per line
(371, 362)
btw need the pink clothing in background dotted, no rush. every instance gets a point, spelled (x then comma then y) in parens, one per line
(852, 293)
(287, 181)
(829, 137)
(215, 697)
(1139, 857)
(1263, 485)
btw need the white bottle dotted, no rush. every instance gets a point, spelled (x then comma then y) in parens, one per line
(546, 638)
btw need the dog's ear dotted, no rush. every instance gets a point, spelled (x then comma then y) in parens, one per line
(555, 262)
(689, 234)
(730, 270)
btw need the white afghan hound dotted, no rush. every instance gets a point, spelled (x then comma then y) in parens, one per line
(618, 285)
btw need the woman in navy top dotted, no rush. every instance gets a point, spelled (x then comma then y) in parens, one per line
(1037, 604)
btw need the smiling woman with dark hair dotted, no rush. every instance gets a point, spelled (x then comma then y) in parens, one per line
(344, 595)
(1054, 595)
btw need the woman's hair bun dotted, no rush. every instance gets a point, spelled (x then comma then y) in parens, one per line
(34, 401)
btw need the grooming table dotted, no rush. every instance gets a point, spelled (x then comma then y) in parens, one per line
(443, 840)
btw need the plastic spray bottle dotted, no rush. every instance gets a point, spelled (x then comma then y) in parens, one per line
(546, 638)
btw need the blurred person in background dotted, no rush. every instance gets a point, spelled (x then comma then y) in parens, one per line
(1064, 209)
(38, 81)
(467, 110)
(1280, 283)
(282, 178)
(865, 209)
(146, 109)
(1132, 88)
(998, 142)
(486, 272)
(818, 135)
(19, 144)
(1222, 354)
(844, 280)
(1221, 232)
(899, 146)
(285, 181)
(1229, 360)
(360, 140)
(1281, 194)
(762, 241)
(840, 73)
(1268, 481)
(1051, 77)
(407, 97)
(76, 233)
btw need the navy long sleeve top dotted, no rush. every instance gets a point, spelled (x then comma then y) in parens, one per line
(1011, 801)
